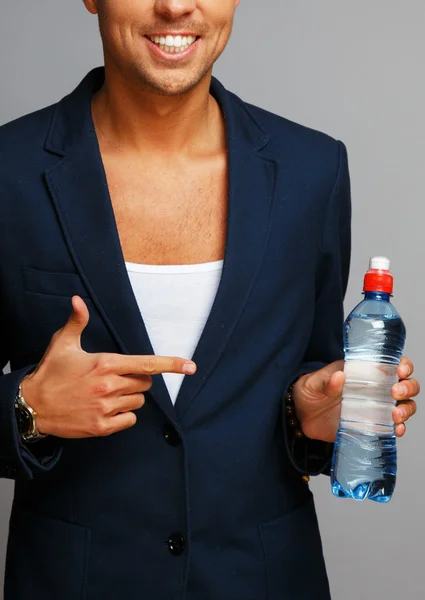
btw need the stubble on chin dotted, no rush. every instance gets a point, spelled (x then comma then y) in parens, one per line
(170, 83)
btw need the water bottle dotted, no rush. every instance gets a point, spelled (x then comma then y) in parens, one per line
(364, 461)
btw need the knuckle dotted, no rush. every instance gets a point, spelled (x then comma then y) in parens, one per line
(103, 406)
(101, 388)
(98, 427)
(146, 383)
(103, 364)
(132, 419)
(148, 365)
(176, 365)
(105, 429)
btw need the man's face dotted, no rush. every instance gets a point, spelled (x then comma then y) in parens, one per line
(164, 46)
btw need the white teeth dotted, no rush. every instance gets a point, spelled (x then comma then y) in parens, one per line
(173, 44)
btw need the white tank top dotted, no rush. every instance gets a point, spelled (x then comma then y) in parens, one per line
(175, 302)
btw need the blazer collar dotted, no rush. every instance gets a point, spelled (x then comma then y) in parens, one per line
(72, 119)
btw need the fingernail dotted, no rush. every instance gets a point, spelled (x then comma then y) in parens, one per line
(403, 413)
(401, 390)
(189, 368)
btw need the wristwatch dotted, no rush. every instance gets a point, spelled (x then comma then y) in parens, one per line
(26, 420)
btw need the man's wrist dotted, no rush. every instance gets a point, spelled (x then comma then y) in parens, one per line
(26, 418)
(291, 411)
(293, 422)
(297, 395)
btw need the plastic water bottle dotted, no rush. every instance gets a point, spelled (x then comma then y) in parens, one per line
(364, 461)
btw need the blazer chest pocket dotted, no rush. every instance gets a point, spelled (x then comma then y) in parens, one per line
(46, 308)
(53, 284)
(294, 562)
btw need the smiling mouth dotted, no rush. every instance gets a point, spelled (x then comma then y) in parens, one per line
(173, 44)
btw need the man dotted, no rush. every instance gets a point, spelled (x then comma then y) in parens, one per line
(133, 481)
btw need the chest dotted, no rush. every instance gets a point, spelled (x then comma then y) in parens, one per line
(170, 214)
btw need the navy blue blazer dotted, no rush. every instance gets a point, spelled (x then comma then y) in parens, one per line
(203, 500)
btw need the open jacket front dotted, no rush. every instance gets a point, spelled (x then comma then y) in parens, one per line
(203, 500)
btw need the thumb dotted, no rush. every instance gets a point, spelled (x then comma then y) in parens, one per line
(77, 321)
(327, 381)
(334, 385)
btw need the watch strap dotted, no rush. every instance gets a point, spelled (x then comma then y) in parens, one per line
(32, 434)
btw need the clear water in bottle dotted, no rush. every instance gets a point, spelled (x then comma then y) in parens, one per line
(364, 462)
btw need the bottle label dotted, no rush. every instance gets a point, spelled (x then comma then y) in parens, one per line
(371, 373)
(367, 403)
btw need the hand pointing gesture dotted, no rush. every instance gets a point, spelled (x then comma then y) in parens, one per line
(77, 394)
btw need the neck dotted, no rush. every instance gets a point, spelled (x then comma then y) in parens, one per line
(377, 296)
(131, 118)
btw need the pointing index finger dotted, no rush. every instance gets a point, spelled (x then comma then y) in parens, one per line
(154, 365)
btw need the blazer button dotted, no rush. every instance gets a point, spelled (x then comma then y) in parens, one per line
(171, 436)
(176, 544)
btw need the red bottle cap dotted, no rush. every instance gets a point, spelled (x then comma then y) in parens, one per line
(379, 278)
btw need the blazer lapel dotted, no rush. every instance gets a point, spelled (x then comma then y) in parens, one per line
(79, 190)
(251, 191)
(80, 193)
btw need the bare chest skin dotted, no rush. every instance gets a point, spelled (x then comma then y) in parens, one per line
(169, 213)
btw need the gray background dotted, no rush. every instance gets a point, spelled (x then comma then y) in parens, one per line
(355, 71)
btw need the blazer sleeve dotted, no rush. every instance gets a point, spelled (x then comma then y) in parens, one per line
(19, 460)
(313, 457)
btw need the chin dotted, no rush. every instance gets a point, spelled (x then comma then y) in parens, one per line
(173, 90)
(171, 85)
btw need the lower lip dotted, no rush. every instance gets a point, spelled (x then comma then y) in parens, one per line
(172, 57)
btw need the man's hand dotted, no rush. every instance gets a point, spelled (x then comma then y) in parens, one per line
(77, 394)
(317, 399)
